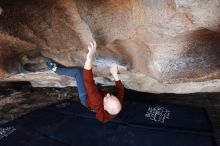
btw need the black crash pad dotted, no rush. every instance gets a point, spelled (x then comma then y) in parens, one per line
(138, 124)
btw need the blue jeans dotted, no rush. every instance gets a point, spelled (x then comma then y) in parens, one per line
(77, 73)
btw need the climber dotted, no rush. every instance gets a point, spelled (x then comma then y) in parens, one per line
(106, 105)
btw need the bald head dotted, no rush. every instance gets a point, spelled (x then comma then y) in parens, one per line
(111, 104)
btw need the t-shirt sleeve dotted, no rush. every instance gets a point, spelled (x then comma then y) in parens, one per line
(120, 90)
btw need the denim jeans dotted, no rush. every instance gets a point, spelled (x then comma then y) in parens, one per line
(77, 73)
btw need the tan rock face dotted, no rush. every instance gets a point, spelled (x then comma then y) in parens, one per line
(160, 46)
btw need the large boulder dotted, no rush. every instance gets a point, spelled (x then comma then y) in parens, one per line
(169, 46)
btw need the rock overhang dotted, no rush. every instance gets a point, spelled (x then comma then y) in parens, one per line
(161, 46)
